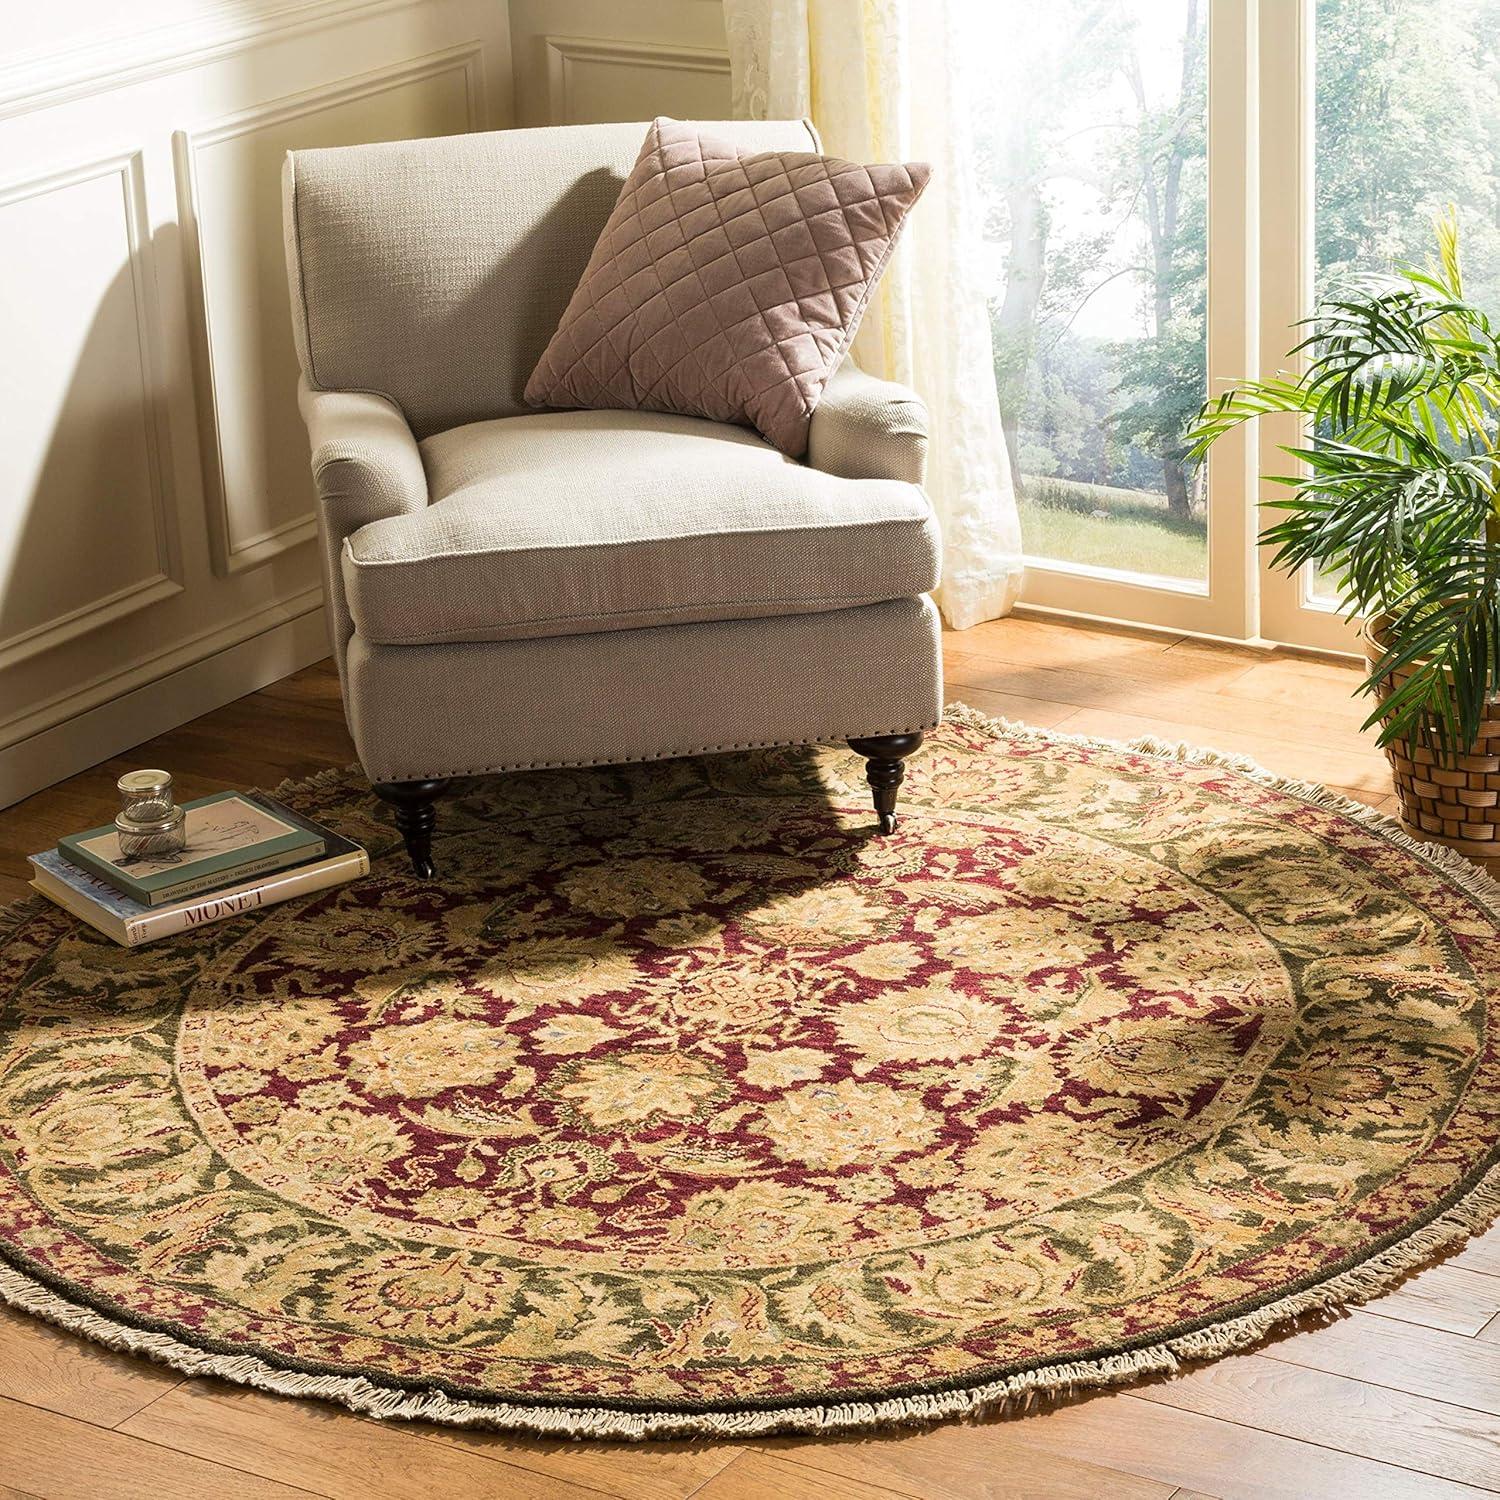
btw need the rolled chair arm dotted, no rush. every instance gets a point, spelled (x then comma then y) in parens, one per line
(366, 466)
(865, 428)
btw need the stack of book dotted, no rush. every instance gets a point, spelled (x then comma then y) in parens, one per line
(244, 850)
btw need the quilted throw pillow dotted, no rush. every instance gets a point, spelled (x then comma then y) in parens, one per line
(725, 284)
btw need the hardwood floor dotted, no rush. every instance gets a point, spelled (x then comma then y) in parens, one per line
(1399, 1399)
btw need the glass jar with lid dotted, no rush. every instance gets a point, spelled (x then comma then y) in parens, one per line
(149, 822)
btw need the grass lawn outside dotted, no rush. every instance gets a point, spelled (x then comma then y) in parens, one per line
(1059, 521)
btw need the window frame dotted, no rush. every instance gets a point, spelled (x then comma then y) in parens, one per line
(1261, 128)
(1289, 609)
(1223, 605)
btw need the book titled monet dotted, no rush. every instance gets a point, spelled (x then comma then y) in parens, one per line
(131, 923)
(230, 839)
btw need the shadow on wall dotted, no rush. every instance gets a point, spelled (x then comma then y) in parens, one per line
(85, 517)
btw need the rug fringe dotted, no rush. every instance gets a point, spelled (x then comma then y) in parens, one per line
(1378, 1273)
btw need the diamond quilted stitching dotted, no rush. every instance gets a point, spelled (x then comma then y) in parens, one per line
(726, 285)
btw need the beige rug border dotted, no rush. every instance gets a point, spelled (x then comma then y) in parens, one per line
(1474, 1212)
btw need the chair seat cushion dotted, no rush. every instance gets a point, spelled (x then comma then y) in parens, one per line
(568, 522)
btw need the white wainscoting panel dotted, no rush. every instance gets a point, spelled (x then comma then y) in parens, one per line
(255, 474)
(156, 537)
(83, 47)
(85, 511)
(594, 79)
(582, 61)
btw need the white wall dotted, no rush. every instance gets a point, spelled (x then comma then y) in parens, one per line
(155, 503)
(579, 61)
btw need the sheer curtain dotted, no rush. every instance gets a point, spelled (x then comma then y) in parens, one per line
(887, 80)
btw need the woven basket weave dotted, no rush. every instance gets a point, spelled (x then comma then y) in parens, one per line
(1455, 800)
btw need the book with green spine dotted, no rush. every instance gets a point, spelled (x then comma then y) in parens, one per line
(230, 837)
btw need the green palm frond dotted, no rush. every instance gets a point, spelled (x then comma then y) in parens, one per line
(1396, 492)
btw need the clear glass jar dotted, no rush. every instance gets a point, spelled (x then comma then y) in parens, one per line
(149, 822)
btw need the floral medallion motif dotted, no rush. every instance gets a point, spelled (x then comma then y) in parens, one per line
(680, 1093)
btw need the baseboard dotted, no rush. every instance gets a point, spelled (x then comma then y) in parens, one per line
(78, 743)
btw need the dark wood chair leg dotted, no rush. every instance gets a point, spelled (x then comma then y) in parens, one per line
(885, 766)
(416, 817)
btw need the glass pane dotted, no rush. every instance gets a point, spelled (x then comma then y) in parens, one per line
(1407, 121)
(1094, 141)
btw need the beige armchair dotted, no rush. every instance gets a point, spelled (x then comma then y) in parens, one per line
(508, 588)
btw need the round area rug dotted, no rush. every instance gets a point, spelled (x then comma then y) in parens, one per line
(680, 1103)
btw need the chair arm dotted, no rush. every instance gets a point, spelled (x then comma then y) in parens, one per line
(366, 466)
(865, 428)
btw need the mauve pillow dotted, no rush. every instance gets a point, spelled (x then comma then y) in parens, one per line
(726, 284)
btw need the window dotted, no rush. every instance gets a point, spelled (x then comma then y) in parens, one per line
(1407, 111)
(1096, 145)
(1406, 104)
(1169, 185)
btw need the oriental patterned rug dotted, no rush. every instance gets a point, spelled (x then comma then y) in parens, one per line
(681, 1104)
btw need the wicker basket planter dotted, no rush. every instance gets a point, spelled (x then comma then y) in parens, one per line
(1451, 801)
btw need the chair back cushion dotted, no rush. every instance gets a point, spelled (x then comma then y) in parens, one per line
(434, 272)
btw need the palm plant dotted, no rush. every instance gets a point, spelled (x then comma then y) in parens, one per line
(1396, 498)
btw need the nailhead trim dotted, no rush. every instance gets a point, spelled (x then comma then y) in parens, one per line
(560, 765)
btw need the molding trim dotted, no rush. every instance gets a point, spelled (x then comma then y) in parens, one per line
(87, 618)
(564, 51)
(98, 692)
(55, 75)
(128, 167)
(233, 554)
(114, 725)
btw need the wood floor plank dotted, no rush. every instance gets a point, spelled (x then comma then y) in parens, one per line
(1371, 797)
(1333, 1411)
(37, 822)
(44, 1366)
(1401, 1356)
(1004, 667)
(1029, 643)
(1298, 683)
(966, 1462)
(632, 1471)
(1104, 637)
(1332, 764)
(59, 1458)
(1104, 687)
(1010, 705)
(316, 685)
(1232, 1460)
(1445, 1296)
(763, 1476)
(317, 1447)
(1482, 1254)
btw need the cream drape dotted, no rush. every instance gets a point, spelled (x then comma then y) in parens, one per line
(887, 80)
